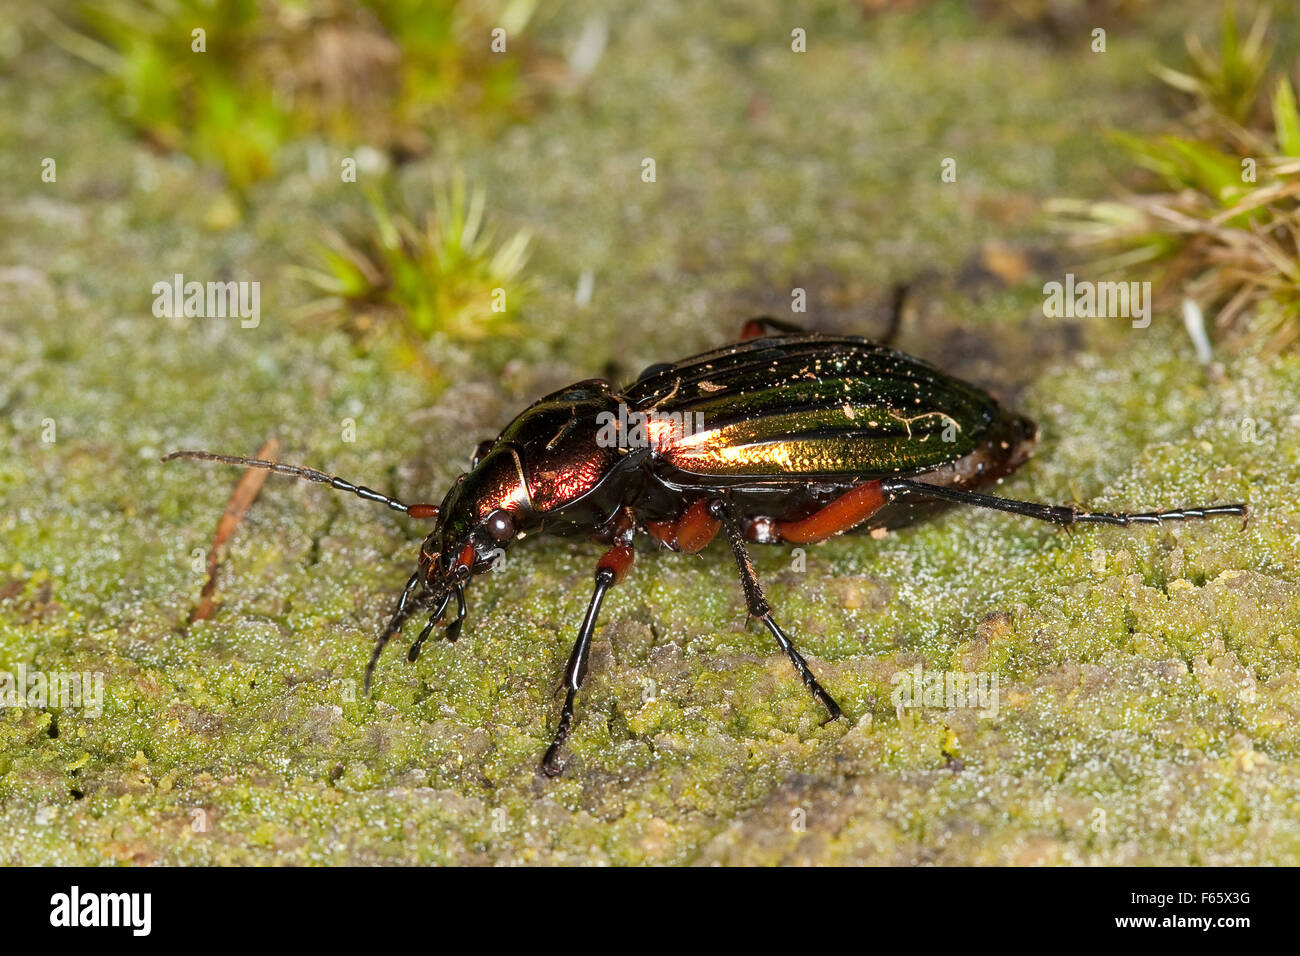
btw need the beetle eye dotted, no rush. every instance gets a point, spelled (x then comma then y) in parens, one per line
(500, 526)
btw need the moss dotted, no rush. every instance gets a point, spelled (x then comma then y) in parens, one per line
(1149, 683)
(231, 82)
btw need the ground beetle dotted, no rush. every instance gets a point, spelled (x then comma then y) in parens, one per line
(786, 436)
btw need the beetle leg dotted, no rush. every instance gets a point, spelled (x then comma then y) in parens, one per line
(575, 671)
(899, 308)
(453, 629)
(665, 532)
(609, 571)
(759, 608)
(1056, 514)
(434, 617)
(690, 532)
(763, 325)
(696, 527)
(656, 369)
(407, 604)
(847, 511)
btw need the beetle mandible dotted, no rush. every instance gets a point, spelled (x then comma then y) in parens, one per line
(786, 436)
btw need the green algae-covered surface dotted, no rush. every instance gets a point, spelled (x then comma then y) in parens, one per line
(1148, 691)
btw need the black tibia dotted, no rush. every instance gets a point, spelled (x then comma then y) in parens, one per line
(759, 608)
(576, 670)
(1056, 514)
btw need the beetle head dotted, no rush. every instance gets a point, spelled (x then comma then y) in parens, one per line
(485, 511)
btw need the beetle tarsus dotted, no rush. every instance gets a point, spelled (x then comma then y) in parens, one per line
(551, 765)
(805, 673)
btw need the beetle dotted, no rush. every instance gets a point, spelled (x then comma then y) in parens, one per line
(784, 437)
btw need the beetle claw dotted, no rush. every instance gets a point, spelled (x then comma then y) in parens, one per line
(551, 765)
(413, 654)
(832, 717)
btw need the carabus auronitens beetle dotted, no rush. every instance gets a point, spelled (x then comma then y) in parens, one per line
(791, 437)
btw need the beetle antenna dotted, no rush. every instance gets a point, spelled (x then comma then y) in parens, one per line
(311, 474)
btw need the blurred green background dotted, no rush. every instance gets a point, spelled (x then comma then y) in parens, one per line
(1149, 685)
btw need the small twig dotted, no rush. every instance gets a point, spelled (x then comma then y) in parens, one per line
(242, 499)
